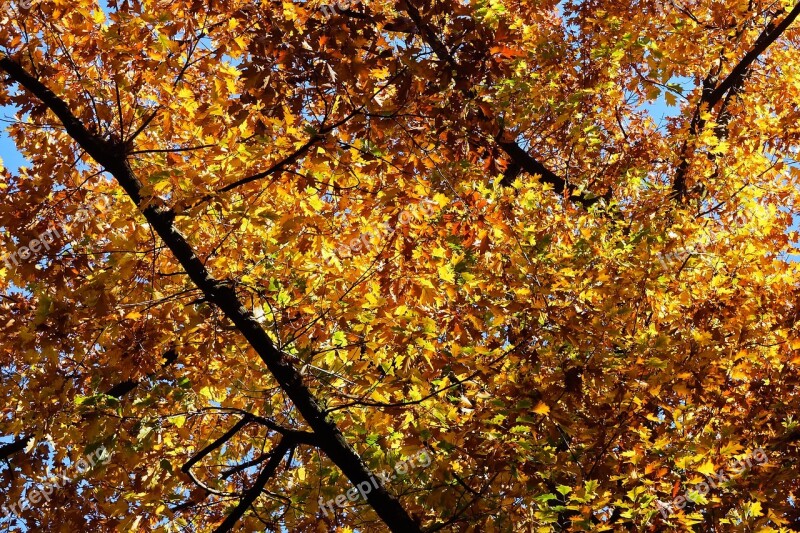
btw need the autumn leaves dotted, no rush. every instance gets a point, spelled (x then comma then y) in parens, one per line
(715, 481)
(368, 234)
(45, 489)
(419, 460)
(57, 230)
(374, 238)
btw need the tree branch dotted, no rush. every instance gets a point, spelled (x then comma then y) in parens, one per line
(17, 445)
(732, 84)
(289, 378)
(117, 391)
(739, 72)
(253, 492)
(519, 157)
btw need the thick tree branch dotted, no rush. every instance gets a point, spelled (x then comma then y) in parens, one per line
(161, 219)
(17, 445)
(739, 72)
(431, 37)
(733, 83)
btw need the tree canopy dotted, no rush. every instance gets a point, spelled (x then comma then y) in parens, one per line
(492, 265)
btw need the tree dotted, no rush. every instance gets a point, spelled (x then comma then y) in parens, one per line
(407, 266)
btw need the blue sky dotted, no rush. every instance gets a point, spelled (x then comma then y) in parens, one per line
(8, 152)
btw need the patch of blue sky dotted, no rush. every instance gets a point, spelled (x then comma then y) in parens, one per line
(659, 110)
(11, 157)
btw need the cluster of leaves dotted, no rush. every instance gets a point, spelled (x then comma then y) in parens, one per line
(524, 331)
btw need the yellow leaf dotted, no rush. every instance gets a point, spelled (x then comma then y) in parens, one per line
(447, 273)
(207, 392)
(706, 468)
(541, 409)
(753, 509)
